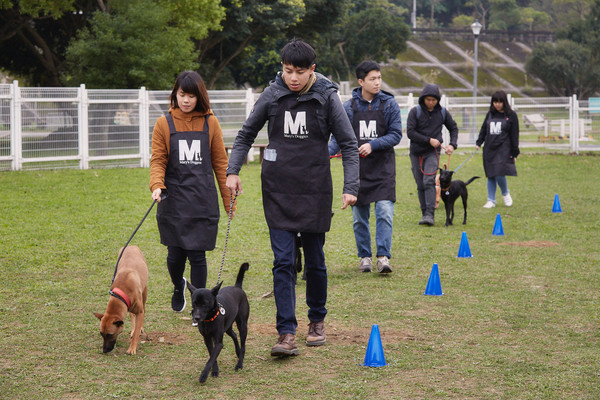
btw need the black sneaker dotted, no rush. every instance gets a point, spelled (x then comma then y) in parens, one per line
(178, 299)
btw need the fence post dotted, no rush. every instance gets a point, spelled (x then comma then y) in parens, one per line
(83, 131)
(249, 101)
(16, 129)
(144, 128)
(574, 128)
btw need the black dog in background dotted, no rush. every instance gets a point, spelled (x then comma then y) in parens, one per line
(215, 310)
(451, 190)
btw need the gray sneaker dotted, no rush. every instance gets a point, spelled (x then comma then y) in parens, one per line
(427, 220)
(383, 265)
(366, 265)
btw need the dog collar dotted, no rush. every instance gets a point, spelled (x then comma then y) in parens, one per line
(220, 310)
(121, 295)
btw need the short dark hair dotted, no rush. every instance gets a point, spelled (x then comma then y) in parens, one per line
(363, 69)
(498, 96)
(191, 82)
(298, 53)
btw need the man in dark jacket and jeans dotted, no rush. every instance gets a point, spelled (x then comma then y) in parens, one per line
(424, 129)
(303, 109)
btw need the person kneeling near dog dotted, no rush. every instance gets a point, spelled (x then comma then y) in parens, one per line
(302, 108)
(424, 129)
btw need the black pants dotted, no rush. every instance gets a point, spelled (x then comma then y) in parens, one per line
(176, 258)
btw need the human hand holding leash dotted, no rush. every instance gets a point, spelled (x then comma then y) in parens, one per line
(365, 149)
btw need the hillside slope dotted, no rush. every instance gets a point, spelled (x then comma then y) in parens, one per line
(449, 64)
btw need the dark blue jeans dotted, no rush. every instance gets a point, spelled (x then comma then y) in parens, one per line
(284, 280)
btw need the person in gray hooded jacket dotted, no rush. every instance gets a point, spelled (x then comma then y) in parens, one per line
(424, 129)
(303, 109)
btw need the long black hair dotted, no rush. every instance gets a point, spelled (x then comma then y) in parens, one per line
(498, 96)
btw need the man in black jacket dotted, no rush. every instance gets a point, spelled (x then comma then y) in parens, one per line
(424, 129)
(303, 109)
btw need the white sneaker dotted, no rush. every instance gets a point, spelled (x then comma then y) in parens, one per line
(507, 200)
(489, 204)
(366, 265)
(383, 265)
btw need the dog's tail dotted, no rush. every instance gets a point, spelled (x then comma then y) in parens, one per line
(471, 180)
(240, 278)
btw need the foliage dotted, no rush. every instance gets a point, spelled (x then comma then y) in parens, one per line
(246, 24)
(566, 68)
(34, 36)
(571, 65)
(373, 30)
(126, 48)
(462, 21)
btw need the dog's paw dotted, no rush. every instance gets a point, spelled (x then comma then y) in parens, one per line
(238, 367)
(131, 352)
(203, 377)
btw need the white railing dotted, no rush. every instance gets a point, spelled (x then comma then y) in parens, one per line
(47, 128)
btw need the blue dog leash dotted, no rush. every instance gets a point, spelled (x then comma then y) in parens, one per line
(468, 158)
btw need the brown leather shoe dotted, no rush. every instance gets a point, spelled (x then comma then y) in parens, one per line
(316, 334)
(285, 346)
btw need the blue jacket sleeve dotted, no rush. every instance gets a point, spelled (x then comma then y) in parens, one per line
(393, 121)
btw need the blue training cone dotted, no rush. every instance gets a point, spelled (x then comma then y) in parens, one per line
(498, 231)
(556, 207)
(434, 285)
(464, 251)
(374, 356)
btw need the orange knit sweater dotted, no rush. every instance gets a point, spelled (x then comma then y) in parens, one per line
(193, 121)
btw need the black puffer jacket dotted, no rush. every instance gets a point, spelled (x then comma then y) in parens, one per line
(429, 124)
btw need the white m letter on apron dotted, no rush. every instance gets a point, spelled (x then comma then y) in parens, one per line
(189, 153)
(368, 131)
(293, 127)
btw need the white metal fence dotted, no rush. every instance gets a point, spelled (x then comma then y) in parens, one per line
(47, 128)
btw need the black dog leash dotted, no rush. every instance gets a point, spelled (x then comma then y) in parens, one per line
(227, 235)
(163, 196)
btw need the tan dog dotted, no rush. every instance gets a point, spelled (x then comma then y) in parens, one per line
(128, 293)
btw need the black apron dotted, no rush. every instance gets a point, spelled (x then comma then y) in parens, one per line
(378, 169)
(296, 178)
(497, 159)
(189, 216)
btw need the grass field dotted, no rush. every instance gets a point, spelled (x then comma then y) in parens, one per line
(518, 320)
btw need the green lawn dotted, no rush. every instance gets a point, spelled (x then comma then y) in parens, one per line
(518, 320)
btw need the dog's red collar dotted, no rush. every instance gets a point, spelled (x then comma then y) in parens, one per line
(220, 310)
(121, 295)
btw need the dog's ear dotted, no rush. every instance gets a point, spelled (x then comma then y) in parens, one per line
(118, 323)
(216, 289)
(190, 287)
(99, 315)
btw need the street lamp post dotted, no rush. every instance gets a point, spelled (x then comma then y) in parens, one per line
(476, 28)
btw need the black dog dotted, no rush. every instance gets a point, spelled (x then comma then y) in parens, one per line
(215, 310)
(451, 190)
